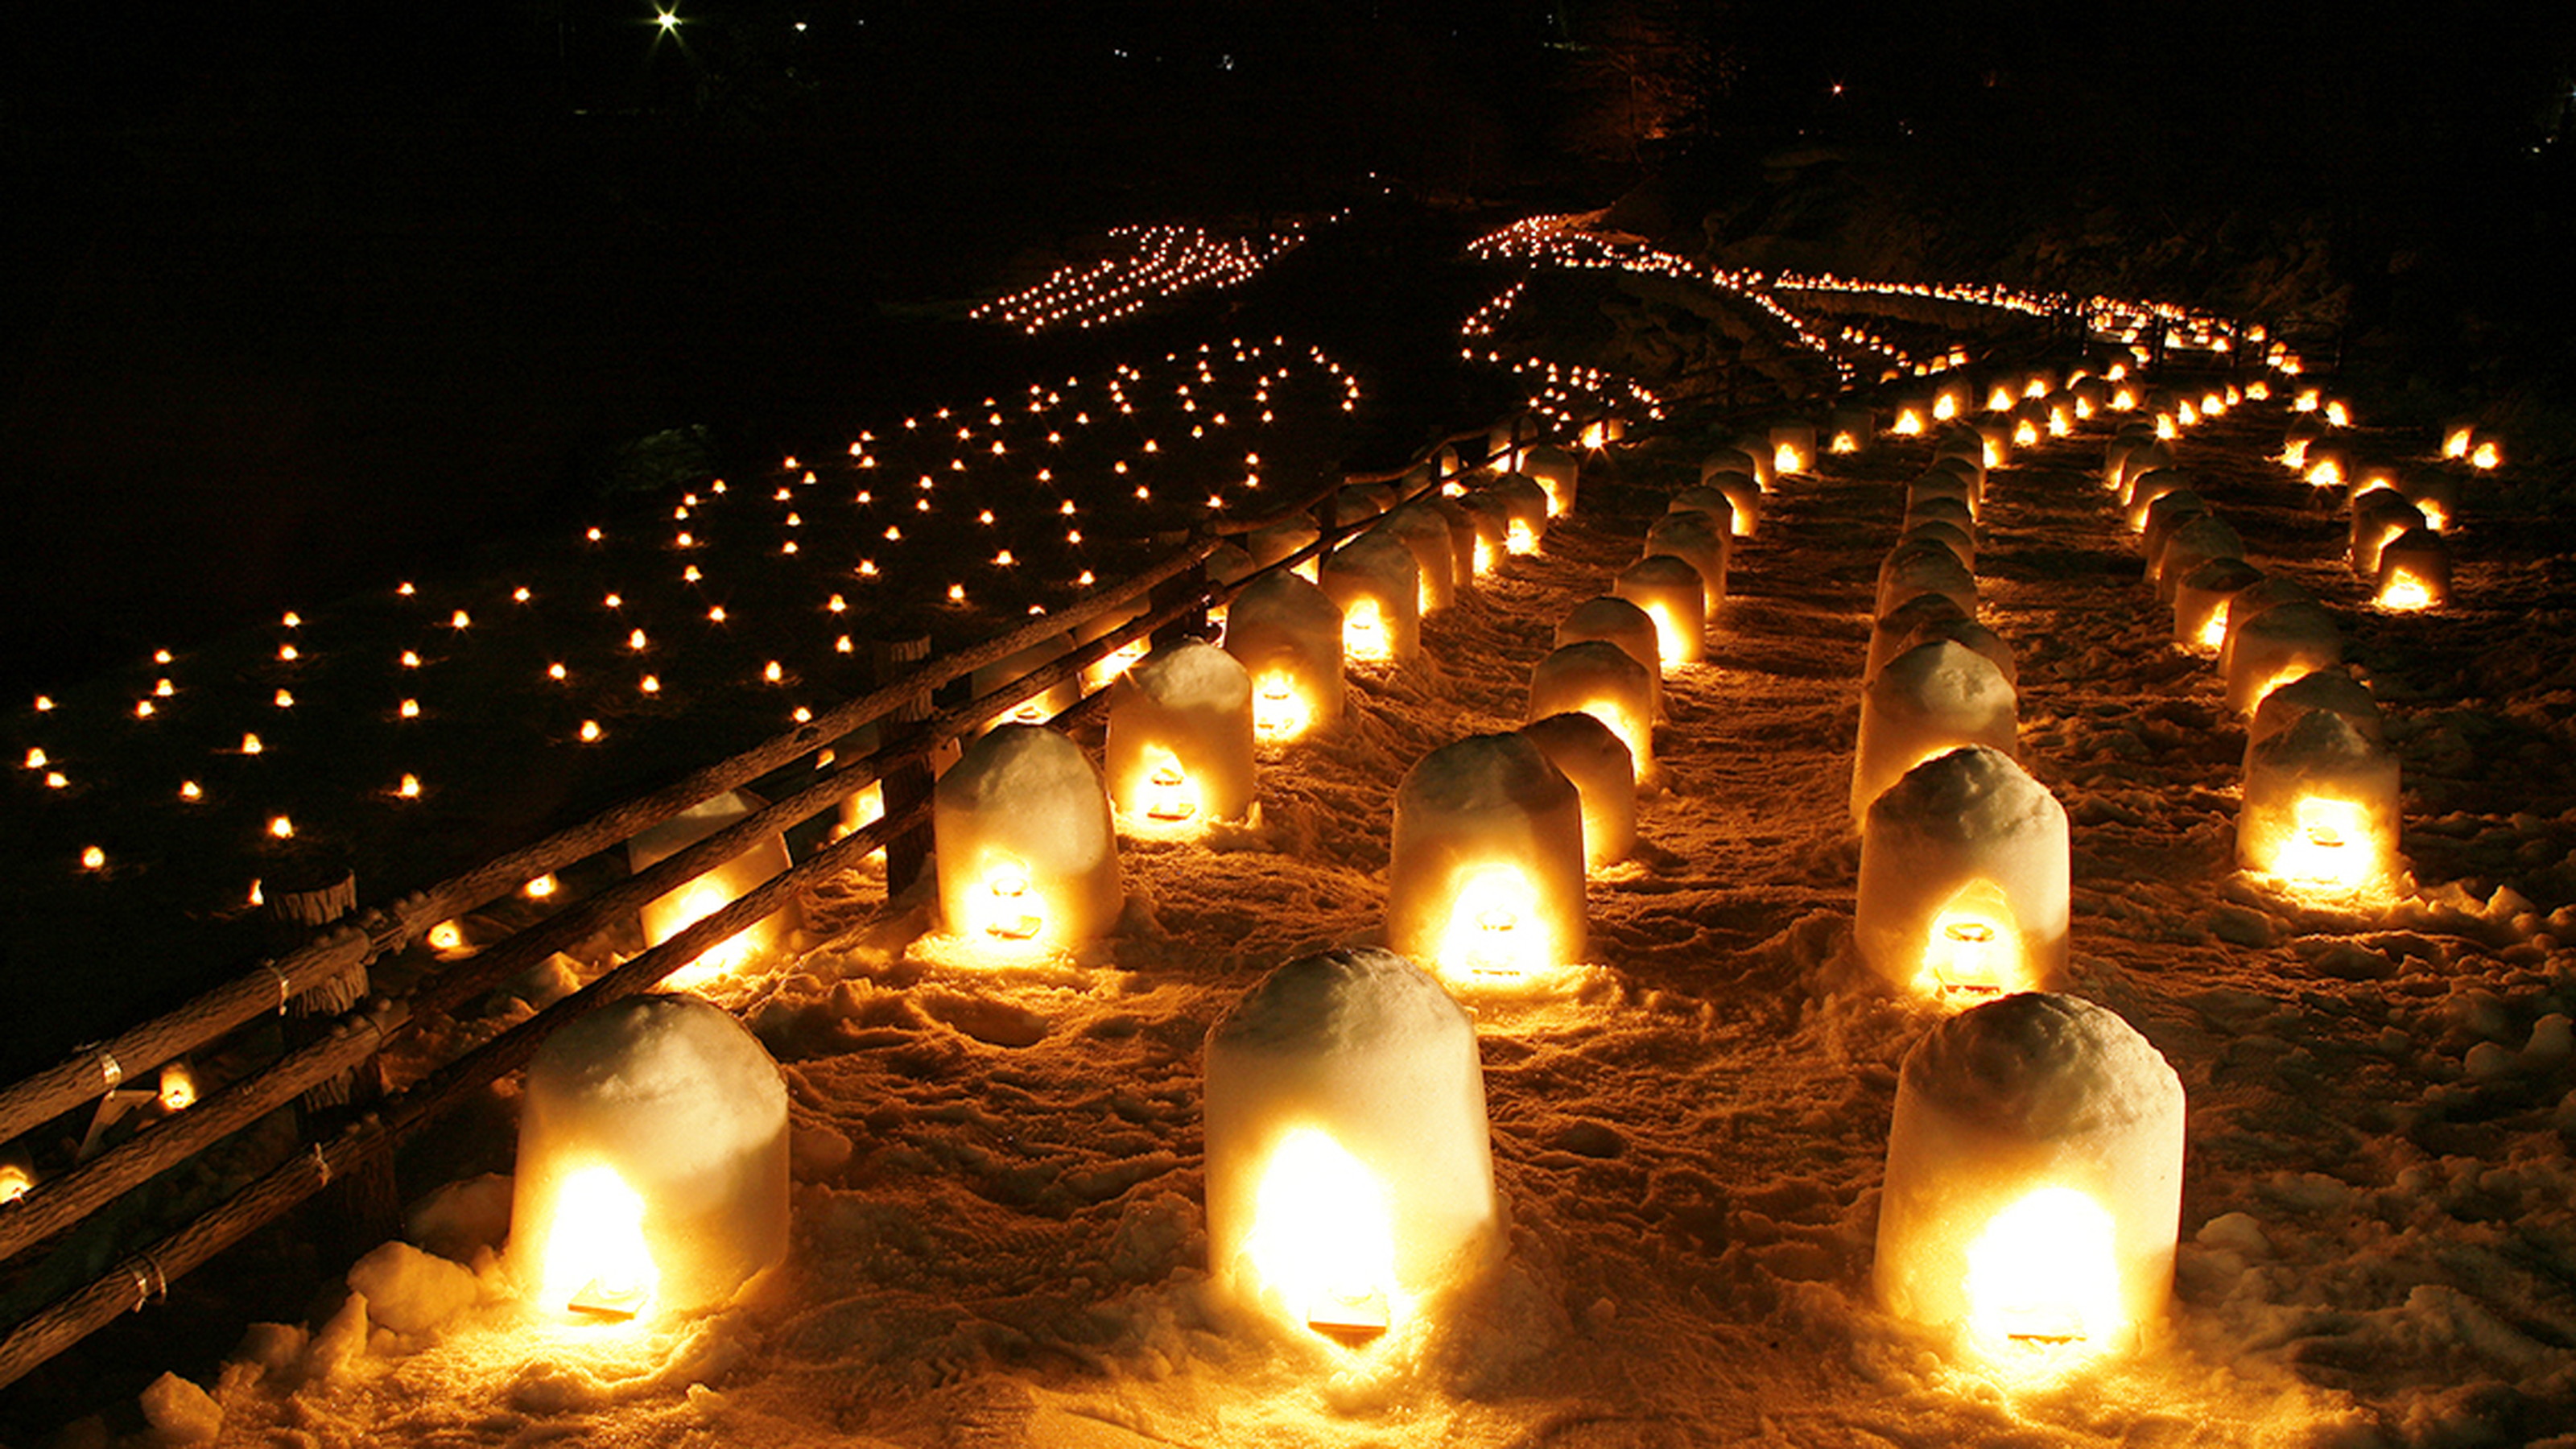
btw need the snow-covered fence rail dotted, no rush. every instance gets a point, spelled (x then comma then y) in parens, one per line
(1176, 592)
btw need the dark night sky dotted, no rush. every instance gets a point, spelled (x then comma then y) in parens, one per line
(307, 296)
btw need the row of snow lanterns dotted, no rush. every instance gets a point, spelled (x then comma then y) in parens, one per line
(2398, 516)
(2320, 799)
(1158, 262)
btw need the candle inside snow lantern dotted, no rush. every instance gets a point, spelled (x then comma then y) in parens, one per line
(1027, 861)
(683, 906)
(2414, 571)
(1378, 585)
(1485, 877)
(2034, 1182)
(1671, 592)
(1525, 505)
(2320, 805)
(1288, 635)
(652, 1162)
(2273, 647)
(1179, 751)
(1592, 756)
(1793, 447)
(1600, 679)
(1963, 880)
(1349, 1172)
(1929, 700)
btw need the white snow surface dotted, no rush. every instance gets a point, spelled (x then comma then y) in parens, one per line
(998, 1231)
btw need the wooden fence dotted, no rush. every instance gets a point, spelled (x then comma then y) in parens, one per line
(1174, 594)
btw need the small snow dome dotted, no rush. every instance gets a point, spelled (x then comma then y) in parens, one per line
(1278, 542)
(1463, 536)
(1941, 483)
(1360, 502)
(2378, 516)
(2034, 1183)
(2196, 542)
(652, 1166)
(1525, 505)
(1040, 707)
(1793, 447)
(2146, 488)
(1964, 874)
(2200, 601)
(1599, 678)
(1485, 879)
(1756, 448)
(1929, 700)
(1941, 510)
(1027, 861)
(2328, 689)
(1288, 635)
(1614, 620)
(2169, 512)
(1700, 541)
(1491, 522)
(1961, 543)
(2414, 571)
(1378, 586)
(1896, 630)
(2268, 592)
(1849, 429)
(1735, 509)
(2274, 647)
(1350, 1175)
(2321, 805)
(1179, 750)
(1426, 533)
(1672, 593)
(1589, 754)
(1925, 568)
(1552, 468)
(683, 906)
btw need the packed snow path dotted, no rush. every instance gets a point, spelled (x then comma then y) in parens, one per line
(998, 1220)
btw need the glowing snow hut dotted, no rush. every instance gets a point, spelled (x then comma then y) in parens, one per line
(1027, 861)
(1485, 879)
(1964, 875)
(1378, 586)
(1613, 619)
(1929, 700)
(1672, 593)
(2321, 805)
(1349, 1171)
(1179, 749)
(1588, 753)
(2034, 1182)
(2414, 571)
(684, 905)
(652, 1163)
(1599, 678)
(2274, 647)
(1702, 542)
(1288, 635)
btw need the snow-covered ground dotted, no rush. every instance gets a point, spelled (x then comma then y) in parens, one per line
(998, 1237)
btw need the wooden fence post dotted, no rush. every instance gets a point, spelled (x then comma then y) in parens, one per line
(1189, 581)
(362, 1205)
(907, 780)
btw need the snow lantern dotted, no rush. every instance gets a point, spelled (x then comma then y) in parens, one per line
(1278, 542)
(1553, 469)
(2329, 467)
(1592, 756)
(1613, 619)
(2268, 592)
(1963, 880)
(1756, 448)
(1670, 590)
(1793, 447)
(1027, 861)
(1941, 483)
(1890, 634)
(2333, 690)
(2304, 432)
(1378, 586)
(1426, 534)
(1727, 459)
(2414, 571)
(2274, 647)
(2199, 540)
(1957, 629)
(2378, 516)
(1349, 1170)
(684, 905)
(1359, 502)
(2320, 805)
(1603, 680)
(1179, 749)
(1961, 544)
(1485, 877)
(1961, 460)
(2200, 601)
(2436, 496)
(1288, 635)
(652, 1167)
(1929, 700)
(1849, 429)
(1700, 541)
(2034, 1181)
(1733, 499)
(1941, 510)
(1464, 536)
(1525, 505)
(1491, 523)
(2169, 512)
(2146, 488)
(1037, 708)
(1925, 568)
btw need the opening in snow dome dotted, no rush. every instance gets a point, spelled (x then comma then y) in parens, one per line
(2321, 804)
(1349, 1176)
(652, 1163)
(683, 906)
(1793, 447)
(1288, 635)
(2034, 1183)
(1485, 879)
(1179, 750)
(1027, 861)
(1378, 586)
(1964, 880)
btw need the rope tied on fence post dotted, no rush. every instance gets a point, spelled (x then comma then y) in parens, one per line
(150, 1287)
(111, 1075)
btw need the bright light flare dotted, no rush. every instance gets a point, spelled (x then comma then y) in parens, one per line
(1280, 710)
(1323, 1238)
(2045, 1274)
(597, 1262)
(1492, 929)
(1364, 633)
(2327, 844)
